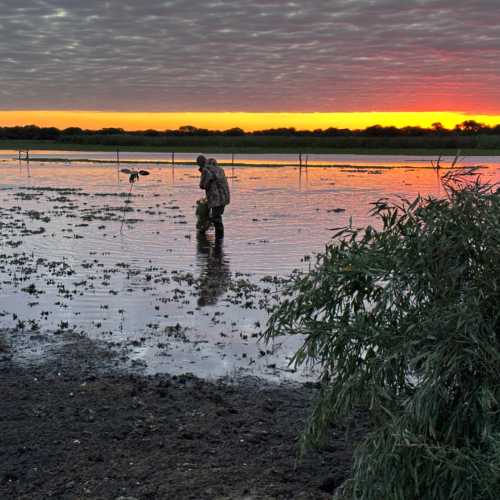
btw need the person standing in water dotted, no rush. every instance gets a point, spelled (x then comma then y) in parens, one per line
(213, 181)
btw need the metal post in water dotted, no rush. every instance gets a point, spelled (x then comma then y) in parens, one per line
(300, 161)
(232, 159)
(28, 162)
(118, 163)
(173, 159)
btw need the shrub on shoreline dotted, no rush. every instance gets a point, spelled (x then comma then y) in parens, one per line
(405, 321)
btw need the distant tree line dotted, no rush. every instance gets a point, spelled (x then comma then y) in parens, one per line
(468, 134)
(33, 132)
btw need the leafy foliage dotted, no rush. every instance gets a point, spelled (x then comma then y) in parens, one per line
(405, 321)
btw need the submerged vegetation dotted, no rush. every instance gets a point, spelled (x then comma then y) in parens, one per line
(404, 321)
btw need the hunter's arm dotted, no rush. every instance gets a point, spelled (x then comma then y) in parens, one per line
(206, 178)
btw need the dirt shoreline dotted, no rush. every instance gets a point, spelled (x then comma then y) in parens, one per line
(79, 426)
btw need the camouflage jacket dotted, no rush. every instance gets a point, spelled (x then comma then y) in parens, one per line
(213, 181)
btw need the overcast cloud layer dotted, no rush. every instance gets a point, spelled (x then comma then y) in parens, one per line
(227, 55)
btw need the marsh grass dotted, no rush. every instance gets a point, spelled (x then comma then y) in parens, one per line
(405, 321)
(381, 146)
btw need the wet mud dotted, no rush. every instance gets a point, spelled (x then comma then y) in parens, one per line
(80, 425)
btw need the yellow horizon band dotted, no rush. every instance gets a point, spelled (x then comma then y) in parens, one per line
(226, 120)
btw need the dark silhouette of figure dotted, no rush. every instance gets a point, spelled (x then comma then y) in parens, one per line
(213, 180)
(215, 274)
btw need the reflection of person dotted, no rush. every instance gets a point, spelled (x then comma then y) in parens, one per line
(215, 275)
(213, 181)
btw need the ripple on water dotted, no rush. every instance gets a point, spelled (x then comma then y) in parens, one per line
(175, 301)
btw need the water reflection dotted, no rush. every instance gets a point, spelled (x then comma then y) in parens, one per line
(303, 178)
(215, 273)
(61, 234)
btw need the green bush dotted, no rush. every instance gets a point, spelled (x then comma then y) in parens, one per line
(405, 321)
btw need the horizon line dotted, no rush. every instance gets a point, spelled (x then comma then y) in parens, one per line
(246, 120)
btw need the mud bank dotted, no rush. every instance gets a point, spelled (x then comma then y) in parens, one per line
(80, 426)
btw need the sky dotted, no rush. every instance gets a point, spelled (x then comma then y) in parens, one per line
(322, 60)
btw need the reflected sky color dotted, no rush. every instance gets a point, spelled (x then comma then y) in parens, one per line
(139, 283)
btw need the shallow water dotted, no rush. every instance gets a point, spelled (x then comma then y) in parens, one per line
(260, 159)
(177, 302)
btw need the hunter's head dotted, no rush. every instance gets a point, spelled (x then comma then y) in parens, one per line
(201, 161)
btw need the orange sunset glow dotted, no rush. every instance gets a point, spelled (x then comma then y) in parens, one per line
(223, 121)
(253, 65)
(250, 249)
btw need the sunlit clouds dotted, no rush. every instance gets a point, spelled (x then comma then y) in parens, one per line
(259, 56)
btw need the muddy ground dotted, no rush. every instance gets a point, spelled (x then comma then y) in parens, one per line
(80, 426)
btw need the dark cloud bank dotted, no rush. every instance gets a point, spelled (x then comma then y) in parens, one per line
(227, 55)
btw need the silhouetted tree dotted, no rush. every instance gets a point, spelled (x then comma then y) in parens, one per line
(470, 126)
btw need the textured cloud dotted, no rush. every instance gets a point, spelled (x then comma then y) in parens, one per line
(260, 55)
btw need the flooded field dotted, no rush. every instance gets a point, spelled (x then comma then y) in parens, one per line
(78, 253)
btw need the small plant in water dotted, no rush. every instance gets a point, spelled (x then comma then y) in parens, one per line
(20, 325)
(404, 321)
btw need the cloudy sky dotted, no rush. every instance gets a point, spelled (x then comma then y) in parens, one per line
(258, 55)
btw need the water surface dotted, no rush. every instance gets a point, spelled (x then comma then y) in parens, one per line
(79, 253)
